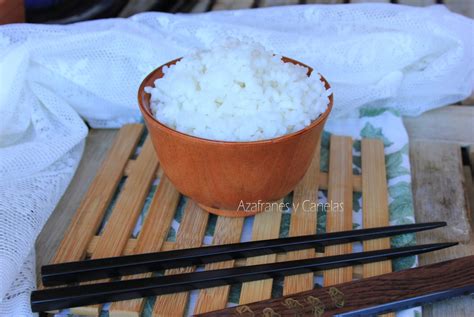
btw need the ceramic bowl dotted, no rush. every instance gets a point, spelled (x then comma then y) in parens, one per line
(225, 178)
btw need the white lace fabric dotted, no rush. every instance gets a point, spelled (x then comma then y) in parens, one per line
(54, 77)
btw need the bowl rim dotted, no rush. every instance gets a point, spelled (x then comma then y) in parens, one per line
(144, 105)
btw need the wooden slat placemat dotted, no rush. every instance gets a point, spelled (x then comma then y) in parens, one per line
(139, 173)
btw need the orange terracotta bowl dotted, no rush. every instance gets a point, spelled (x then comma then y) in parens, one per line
(225, 178)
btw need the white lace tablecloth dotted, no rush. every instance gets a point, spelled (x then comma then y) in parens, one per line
(54, 77)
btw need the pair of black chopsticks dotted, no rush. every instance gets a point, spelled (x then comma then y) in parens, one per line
(73, 272)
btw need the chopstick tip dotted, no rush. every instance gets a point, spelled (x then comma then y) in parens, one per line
(440, 224)
(442, 245)
(451, 244)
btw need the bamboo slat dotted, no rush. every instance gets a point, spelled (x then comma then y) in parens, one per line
(304, 222)
(190, 235)
(151, 238)
(339, 217)
(119, 227)
(375, 203)
(266, 225)
(228, 230)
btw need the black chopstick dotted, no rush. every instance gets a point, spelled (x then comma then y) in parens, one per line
(58, 298)
(63, 273)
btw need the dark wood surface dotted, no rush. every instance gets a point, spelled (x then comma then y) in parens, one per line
(382, 289)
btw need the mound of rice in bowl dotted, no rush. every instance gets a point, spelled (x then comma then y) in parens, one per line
(237, 92)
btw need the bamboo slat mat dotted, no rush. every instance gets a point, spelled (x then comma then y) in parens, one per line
(106, 222)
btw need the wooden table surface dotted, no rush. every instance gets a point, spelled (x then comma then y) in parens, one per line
(442, 157)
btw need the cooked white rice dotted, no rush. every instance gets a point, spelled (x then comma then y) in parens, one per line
(237, 92)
